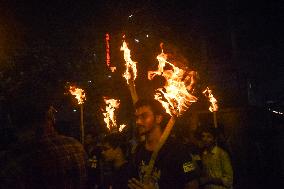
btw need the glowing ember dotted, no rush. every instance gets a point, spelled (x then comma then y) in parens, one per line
(112, 69)
(78, 93)
(174, 96)
(130, 65)
(109, 115)
(121, 127)
(208, 93)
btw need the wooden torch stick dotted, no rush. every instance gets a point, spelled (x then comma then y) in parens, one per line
(162, 141)
(215, 119)
(82, 125)
(133, 92)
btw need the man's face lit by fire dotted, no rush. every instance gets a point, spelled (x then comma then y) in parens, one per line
(146, 121)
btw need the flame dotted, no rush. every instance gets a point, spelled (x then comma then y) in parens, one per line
(78, 93)
(208, 93)
(113, 68)
(177, 97)
(130, 65)
(109, 115)
(121, 127)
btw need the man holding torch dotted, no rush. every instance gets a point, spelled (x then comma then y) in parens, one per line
(173, 167)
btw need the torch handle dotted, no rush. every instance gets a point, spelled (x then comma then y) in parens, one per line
(162, 141)
(82, 125)
(133, 92)
(215, 119)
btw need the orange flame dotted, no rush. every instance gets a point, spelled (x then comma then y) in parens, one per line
(130, 65)
(109, 115)
(78, 93)
(208, 93)
(113, 68)
(121, 127)
(177, 96)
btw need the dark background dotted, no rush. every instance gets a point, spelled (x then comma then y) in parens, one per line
(236, 47)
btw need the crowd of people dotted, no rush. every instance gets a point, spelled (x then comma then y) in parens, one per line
(54, 161)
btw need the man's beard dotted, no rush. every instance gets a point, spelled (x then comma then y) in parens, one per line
(144, 132)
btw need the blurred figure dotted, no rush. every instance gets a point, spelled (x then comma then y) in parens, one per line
(44, 159)
(93, 166)
(114, 151)
(56, 161)
(217, 172)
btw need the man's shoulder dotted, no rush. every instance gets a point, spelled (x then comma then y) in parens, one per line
(177, 147)
(220, 151)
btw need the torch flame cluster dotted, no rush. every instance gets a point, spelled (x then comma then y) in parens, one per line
(109, 115)
(208, 93)
(129, 63)
(174, 96)
(78, 93)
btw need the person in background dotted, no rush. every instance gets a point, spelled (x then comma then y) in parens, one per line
(217, 172)
(114, 151)
(93, 165)
(46, 160)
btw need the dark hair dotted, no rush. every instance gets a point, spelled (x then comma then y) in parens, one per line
(156, 107)
(117, 140)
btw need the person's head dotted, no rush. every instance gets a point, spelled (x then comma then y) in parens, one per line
(114, 147)
(208, 136)
(149, 114)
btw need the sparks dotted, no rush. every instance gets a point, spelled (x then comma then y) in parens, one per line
(78, 93)
(208, 93)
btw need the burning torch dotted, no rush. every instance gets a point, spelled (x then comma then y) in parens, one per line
(174, 97)
(213, 106)
(130, 73)
(109, 115)
(81, 97)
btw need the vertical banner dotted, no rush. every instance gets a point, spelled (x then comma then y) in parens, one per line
(107, 38)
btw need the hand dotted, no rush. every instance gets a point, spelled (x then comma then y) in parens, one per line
(135, 184)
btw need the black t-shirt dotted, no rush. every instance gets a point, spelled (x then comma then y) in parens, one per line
(118, 179)
(173, 167)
